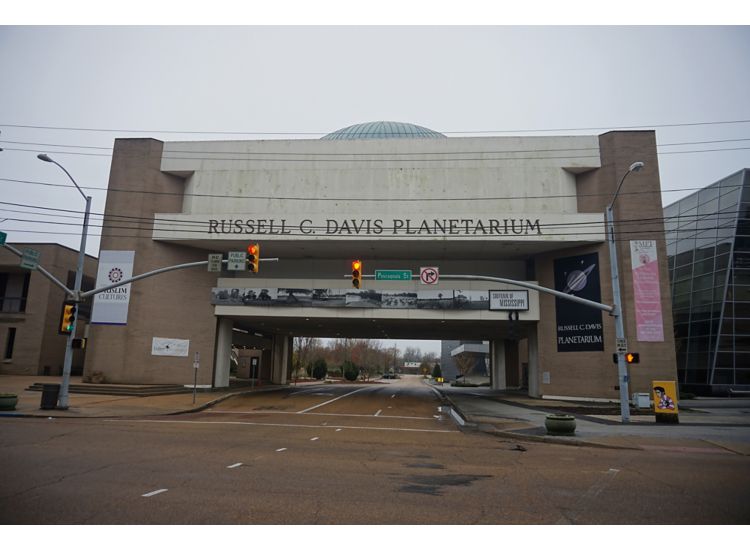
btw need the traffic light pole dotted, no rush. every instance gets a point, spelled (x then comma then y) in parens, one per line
(622, 369)
(68, 361)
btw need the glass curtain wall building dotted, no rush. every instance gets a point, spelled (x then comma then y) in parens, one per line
(708, 245)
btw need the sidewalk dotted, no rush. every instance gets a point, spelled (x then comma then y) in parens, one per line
(506, 414)
(107, 406)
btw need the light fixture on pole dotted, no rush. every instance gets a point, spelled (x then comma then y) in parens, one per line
(65, 385)
(622, 369)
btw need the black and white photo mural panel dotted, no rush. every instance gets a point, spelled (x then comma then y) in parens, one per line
(352, 298)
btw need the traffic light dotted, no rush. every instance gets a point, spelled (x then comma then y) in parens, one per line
(630, 357)
(253, 256)
(67, 319)
(357, 274)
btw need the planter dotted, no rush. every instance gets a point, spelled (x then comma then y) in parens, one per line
(560, 424)
(8, 401)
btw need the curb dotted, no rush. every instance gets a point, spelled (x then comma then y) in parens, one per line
(50, 414)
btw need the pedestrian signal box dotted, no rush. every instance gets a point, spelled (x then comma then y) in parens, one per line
(630, 357)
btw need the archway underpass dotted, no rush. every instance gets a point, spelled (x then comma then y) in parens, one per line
(269, 340)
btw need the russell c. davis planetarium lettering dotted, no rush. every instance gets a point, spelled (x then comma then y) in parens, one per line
(445, 226)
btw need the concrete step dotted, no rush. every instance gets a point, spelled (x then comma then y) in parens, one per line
(120, 389)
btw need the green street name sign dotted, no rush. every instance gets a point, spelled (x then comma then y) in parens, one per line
(392, 275)
(3, 236)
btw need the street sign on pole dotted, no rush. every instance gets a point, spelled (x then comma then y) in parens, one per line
(621, 345)
(214, 262)
(429, 275)
(30, 258)
(393, 275)
(237, 261)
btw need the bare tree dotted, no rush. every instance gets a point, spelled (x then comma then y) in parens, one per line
(303, 354)
(465, 362)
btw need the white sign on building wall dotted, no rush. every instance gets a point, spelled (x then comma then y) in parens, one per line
(111, 306)
(170, 346)
(509, 300)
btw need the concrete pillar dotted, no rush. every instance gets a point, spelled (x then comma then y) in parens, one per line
(533, 342)
(222, 360)
(512, 375)
(497, 358)
(281, 358)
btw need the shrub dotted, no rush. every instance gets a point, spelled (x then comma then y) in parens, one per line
(320, 369)
(436, 372)
(351, 372)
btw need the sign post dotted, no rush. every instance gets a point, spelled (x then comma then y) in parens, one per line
(196, 365)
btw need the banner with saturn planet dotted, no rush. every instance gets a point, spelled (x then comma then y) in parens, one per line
(579, 327)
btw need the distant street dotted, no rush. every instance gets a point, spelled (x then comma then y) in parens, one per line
(346, 454)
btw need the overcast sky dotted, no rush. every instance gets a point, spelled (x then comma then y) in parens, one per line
(147, 81)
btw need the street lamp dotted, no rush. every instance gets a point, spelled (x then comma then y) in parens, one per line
(622, 370)
(63, 399)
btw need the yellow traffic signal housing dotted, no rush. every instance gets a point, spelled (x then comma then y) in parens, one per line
(357, 273)
(253, 257)
(67, 318)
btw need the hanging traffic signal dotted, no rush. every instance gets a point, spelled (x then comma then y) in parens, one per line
(253, 256)
(67, 319)
(357, 274)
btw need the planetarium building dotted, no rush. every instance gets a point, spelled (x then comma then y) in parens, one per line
(457, 213)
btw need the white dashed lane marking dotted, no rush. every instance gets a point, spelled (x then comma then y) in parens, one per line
(152, 493)
(280, 450)
(235, 465)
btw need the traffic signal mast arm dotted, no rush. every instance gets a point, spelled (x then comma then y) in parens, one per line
(83, 295)
(43, 271)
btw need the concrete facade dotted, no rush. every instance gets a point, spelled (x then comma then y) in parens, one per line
(32, 305)
(500, 207)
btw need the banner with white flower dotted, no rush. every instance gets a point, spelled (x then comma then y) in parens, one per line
(646, 290)
(111, 306)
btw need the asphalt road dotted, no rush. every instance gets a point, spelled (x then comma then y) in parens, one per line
(353, 454)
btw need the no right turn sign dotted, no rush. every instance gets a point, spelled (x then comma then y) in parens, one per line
(429, 275)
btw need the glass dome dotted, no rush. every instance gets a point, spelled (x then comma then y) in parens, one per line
(384, 130)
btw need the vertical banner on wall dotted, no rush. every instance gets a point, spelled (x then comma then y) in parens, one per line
(648, 315)
(579, 327)
(111, 306)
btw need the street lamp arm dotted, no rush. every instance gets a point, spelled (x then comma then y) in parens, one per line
(47, 158)
(635, 167)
